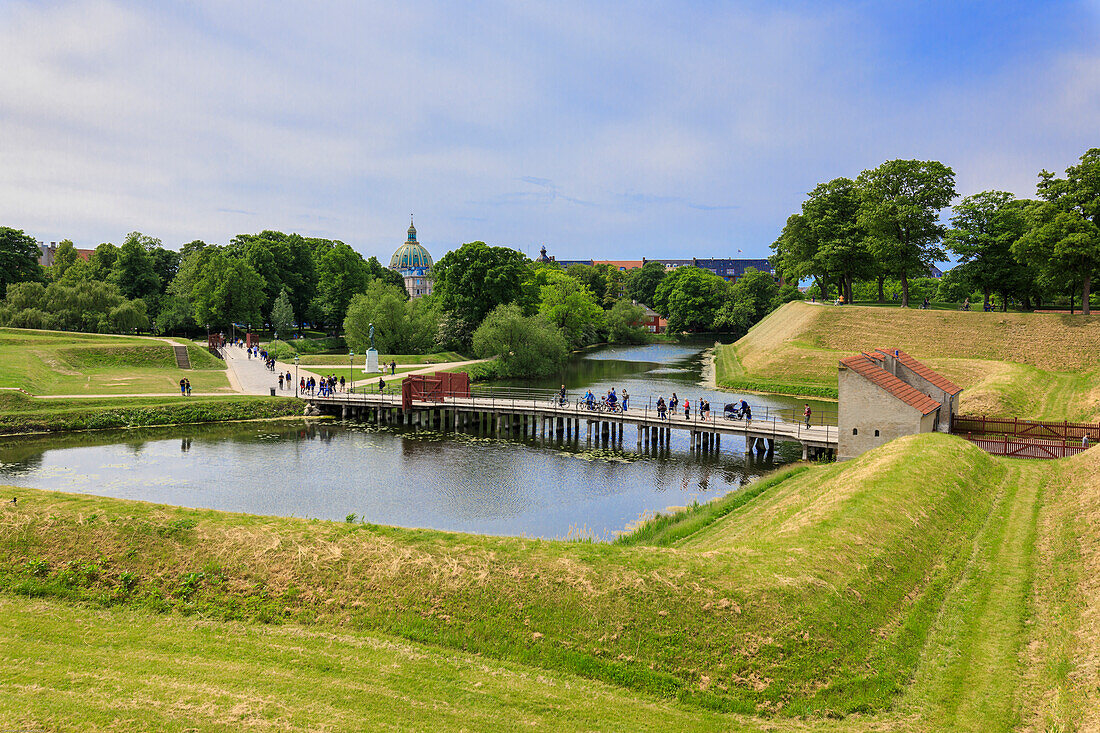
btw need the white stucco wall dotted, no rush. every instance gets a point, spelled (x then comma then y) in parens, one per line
(864, 407)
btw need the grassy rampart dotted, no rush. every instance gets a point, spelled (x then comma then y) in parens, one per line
(823, 591)
(1039, 365)
(60, 363)
(21, 414)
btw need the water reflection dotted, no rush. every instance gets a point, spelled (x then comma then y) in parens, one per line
(472, 481)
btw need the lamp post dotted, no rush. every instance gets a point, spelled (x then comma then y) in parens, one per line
(296, 360)
(351, 371)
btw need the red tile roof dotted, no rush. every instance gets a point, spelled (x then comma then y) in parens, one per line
(917, 367)
(871, 370)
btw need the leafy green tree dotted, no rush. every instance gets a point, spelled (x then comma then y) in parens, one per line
(690, 298)
(128, 316)
(984, 227)
(750, 299)
(282, 314)
(342, 274)
(401, 325)
(624, 323)
(474, 279)
(18, 258)
(642, 282)
(133, 271)
(526, 346)
(63, 258)
(900, 203)
(226, 290)
(570, 306)
(798, 255)
(1063, 242)
(79, 271)
(103, 261)
(831, 212)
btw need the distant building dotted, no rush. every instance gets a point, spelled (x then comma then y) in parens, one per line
(652, 322)
(887, 394)
(47, 252)
(414, 264)
(727, 269)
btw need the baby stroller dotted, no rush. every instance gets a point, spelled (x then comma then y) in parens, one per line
(732, 411)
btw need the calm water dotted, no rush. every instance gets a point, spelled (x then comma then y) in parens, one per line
(531, 487)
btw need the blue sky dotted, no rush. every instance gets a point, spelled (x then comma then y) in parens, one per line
(601, 130)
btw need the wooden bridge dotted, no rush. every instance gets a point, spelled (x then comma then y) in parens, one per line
(490, 411)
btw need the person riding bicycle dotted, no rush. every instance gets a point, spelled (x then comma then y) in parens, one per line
(590, 399)
(611, 399)
(561, 396)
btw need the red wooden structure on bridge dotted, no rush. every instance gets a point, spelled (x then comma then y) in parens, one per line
(434, 387)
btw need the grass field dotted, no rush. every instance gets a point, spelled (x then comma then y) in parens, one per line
(58, 363)
(922, 586)
(1037, 365)
(22, 414)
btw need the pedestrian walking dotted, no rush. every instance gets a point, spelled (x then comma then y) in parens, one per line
(626, 399)
(806, 413)
(687, 409)
(183, 387)
(280, 382)
(187, 386)
(381, 384)
(393, 367)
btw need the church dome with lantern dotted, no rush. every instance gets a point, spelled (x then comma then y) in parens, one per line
(415, 265)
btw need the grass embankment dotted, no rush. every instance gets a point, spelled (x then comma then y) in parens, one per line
(60, 363)
(825, 592)
(1037, 365)
(22, 414)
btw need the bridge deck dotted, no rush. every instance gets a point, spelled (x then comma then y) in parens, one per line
(818, 436)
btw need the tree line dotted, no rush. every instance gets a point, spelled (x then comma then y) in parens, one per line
(885, 225)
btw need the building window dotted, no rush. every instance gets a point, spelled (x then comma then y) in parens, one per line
(876, 433)
(855, 431)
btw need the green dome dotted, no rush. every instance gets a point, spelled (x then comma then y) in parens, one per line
(410, 255)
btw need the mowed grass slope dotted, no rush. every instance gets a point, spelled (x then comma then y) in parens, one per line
(59, 363)
(1035, 365)
(825, 594)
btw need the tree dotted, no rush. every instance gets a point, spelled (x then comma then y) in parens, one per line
(282, 314)
(624, 323)
(571, 307)
(750, 299)
(984, 228)
(1064, 239)
(525, 346)
(690, 297)
(103, 260)
(797, 254)
(133, 271)
(401, 325)
(226, 290)
(641, 283)
(831, 213)
(63, 258)
(900, 203)
(18, 258)
(474, 279)
(128, 316)
(342, 274)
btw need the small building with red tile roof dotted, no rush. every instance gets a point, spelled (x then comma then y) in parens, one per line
(887, 394)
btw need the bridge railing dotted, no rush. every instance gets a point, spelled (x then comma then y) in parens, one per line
(779, 424)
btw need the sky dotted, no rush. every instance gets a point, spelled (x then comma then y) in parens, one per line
(600, 130)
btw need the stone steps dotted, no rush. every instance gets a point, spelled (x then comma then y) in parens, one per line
(183, 361)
